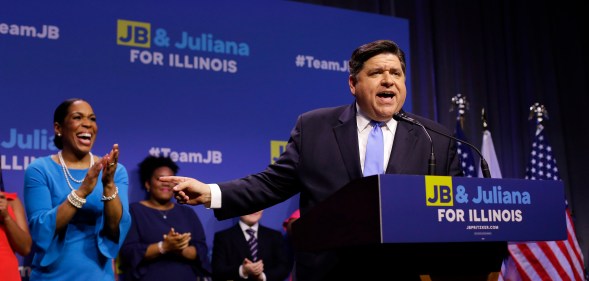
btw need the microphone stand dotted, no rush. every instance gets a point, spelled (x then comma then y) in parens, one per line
(484, 166)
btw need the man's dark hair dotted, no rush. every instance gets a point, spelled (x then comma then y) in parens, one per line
(369, 50)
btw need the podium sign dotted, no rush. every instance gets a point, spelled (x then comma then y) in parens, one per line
(386, 209)
(459, 209)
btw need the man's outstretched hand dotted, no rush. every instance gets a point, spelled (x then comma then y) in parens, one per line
(189, 191)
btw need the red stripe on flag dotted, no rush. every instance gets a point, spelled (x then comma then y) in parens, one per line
(574, 249)
(529, 261)
(521, 271)
(550, 250)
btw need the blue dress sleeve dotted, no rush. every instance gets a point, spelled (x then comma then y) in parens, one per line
(108, 247)
(41, 212)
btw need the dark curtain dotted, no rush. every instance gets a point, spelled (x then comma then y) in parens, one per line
(504, 56)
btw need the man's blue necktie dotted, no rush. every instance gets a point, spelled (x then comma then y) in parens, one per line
(252, 243)
(374, 160)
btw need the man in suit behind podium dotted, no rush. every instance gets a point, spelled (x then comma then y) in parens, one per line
(326, 150)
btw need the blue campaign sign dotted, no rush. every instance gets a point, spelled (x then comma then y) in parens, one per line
(217, 85)
(461, 209)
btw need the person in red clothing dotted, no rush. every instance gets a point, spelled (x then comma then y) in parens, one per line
(286, 224)
(14, 234)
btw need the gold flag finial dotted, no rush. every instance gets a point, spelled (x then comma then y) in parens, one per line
(539, 112)
(459, 101)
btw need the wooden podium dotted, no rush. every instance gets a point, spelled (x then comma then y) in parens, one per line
(431, 225)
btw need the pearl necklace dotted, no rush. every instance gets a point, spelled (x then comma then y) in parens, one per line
(66, 171)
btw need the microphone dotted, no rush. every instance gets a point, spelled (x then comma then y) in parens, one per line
(404, 117)
(431, 165)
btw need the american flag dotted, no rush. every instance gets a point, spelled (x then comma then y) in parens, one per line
(546, 260)
(464, 153)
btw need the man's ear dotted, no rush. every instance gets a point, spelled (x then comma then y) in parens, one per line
(352, 83)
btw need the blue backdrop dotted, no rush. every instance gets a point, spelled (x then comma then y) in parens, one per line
(216, 86)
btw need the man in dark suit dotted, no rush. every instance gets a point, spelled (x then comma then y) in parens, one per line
(234, 260)
(326, 150)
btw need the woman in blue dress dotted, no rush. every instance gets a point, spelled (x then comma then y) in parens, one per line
(166, 240)
(76, 202)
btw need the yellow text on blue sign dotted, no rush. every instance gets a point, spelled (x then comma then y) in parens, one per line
(439, 191)
(133, 33)
(276, 148)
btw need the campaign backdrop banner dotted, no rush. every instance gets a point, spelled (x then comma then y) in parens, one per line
(216, 86)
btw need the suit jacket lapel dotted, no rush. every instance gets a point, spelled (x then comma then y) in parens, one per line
(262, 242)
(403, 146)
(346, 135)
(242, 240)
